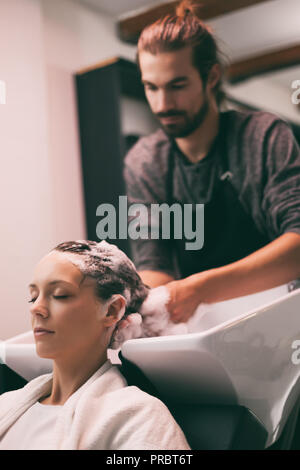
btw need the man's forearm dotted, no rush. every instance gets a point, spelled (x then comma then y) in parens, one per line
(155, 278)
(275, 264)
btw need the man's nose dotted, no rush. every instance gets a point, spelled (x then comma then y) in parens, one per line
(165, 102)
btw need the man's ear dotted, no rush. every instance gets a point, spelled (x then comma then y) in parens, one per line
(214, 76)
(115, 310)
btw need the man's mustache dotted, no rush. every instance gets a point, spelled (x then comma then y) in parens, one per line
(170, 114)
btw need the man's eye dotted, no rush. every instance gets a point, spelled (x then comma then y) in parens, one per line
(178, 87)
(150, 87)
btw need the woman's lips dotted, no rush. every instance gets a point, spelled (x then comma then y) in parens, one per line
(42, 331)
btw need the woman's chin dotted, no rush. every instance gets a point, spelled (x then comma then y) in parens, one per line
(44, 352)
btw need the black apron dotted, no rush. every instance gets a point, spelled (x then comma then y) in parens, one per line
(229, 231)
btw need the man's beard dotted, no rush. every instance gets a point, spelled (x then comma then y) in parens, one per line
(189, 125)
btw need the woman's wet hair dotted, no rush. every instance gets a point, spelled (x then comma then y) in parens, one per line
(112, 270)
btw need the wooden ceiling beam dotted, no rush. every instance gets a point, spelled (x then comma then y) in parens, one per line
(130, 28)
(264, 63)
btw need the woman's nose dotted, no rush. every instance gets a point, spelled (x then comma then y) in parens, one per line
(39, 307)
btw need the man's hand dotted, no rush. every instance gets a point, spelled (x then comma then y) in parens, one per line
(184, 298)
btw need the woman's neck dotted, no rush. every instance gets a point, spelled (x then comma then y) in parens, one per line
(69, 374)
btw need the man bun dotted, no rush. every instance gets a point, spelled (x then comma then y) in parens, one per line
(189, 7)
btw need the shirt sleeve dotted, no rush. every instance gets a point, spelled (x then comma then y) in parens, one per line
(148, 253)
(281, 195)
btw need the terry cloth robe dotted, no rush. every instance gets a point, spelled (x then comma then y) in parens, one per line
(103, 414)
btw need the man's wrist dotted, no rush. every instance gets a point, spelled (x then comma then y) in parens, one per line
(201, 285)
(214, 285)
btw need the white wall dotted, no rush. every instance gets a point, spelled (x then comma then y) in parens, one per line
(42, 44)
(265, 93)
(25, 187)
(74, 38)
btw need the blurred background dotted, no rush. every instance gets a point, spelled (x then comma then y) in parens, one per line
(74, 105)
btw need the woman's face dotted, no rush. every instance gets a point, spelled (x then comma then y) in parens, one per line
(67, 318)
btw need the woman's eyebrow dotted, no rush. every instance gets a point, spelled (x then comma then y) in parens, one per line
(56, 281)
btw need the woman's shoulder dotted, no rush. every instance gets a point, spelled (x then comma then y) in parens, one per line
(132, 395)
(15, 402)
(112, 381)
(123, 417)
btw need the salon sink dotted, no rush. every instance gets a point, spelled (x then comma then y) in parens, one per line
(240, 354)
(19, 354)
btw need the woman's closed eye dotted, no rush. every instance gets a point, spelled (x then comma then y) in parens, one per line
(54, 296)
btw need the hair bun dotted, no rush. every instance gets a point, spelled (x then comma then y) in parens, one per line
(189, 7)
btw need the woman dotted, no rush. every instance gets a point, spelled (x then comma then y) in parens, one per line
(79, 293)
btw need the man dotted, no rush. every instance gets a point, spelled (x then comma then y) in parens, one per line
(243, 166)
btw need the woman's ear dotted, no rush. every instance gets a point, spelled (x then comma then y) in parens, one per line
(116, 307)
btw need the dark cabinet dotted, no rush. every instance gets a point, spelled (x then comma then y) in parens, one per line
(100, 92)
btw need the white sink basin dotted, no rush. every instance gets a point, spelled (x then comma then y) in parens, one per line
(240, 353)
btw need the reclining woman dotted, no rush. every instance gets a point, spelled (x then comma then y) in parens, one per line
(80, 292)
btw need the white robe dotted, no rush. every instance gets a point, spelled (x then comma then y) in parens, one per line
(103, 414)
